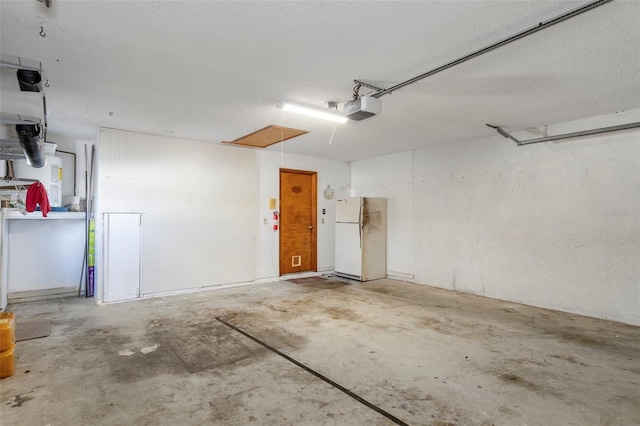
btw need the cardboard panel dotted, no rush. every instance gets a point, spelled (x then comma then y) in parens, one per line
(267, 136)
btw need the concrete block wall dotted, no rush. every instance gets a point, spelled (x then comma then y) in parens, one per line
(553, 225)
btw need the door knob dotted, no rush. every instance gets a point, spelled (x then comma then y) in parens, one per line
(310, 226)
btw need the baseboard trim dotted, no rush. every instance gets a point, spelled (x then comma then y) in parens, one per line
(402, 276)
(45, 294)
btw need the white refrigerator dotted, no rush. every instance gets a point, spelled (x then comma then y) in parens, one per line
(361, 238)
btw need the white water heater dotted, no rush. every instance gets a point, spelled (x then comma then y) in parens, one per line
(50, 175)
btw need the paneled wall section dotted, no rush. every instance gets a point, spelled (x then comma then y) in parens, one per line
(197, 202)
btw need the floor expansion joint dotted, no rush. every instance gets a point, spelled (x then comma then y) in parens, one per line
(318, 375)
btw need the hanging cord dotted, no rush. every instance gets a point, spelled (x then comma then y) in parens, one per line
(281, 147)
(333, 133)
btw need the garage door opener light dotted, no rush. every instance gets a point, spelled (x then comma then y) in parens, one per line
(285, 106)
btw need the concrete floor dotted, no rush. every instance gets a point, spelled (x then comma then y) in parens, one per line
(424, 356)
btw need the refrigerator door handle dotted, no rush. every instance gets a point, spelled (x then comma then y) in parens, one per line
(360, 223)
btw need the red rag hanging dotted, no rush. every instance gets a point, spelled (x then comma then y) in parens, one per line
(37, 194)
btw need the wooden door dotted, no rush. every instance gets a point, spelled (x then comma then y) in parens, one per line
(298, 232)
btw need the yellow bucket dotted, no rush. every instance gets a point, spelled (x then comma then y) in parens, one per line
(7, 330)
(7, 364)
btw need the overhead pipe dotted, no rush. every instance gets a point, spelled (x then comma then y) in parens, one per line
(517, 36)
(566, 135)
(32, 146)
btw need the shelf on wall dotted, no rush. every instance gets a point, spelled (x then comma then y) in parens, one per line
(11, 214)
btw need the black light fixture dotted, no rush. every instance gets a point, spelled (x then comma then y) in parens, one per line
(29, 80)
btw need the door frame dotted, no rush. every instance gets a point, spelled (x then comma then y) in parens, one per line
(314, 219)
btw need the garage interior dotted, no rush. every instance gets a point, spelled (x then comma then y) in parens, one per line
(506, 146)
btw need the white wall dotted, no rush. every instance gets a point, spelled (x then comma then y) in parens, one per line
(204, 207)
(391, 177)
(198, 205)
(333, 173)
(554, 225)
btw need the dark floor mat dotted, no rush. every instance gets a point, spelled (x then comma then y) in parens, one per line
(307, 280)
(32, 330)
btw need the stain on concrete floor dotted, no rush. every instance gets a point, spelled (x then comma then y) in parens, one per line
(18, 400)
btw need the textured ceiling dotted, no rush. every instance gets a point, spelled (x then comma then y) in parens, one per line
(214, 71)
